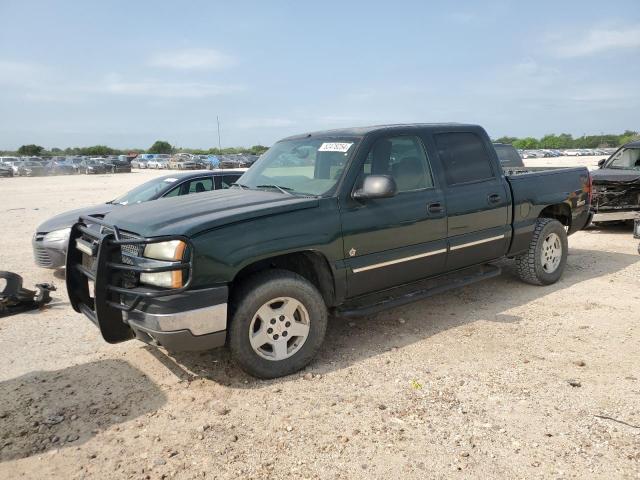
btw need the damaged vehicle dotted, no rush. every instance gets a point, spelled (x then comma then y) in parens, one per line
(50, 240)
(616, 185)
(369, 218)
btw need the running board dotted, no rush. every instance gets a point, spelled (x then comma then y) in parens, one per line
(412, 292)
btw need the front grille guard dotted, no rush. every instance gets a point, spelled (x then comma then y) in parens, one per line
(111, 297)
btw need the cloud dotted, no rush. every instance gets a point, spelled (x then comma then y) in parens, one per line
(19, 73)
(596, 41)
(274, 122)
(161, 89)
(191, 59)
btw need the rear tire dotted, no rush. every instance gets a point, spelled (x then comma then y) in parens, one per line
(278, 323)
(544, 261)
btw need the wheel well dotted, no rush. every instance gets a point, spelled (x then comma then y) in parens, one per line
(559, 211)
(312, 266)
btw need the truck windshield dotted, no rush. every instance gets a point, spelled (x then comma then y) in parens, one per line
(308, 166)
(625, 158)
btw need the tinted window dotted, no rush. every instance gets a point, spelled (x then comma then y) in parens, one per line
(508, 156)
(404, 159)
(225, 181)
(199, 185)
(464, 157)
(174, 192)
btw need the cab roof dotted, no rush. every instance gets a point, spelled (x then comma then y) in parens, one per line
(362, 131)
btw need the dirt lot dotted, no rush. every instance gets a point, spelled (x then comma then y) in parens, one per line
(499, 379)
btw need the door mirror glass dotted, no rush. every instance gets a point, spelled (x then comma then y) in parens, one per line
(601, 162)
(376, 186)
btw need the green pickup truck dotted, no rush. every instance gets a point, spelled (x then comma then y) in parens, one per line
(343, 222)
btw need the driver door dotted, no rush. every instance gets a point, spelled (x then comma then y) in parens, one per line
(391, 241)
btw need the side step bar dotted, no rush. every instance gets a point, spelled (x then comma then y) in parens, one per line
(412, 292)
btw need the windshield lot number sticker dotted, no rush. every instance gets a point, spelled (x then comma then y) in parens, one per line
(334, 147)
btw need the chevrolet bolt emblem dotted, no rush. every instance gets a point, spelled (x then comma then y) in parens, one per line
(352, 252)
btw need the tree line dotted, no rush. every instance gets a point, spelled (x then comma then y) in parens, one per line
(160, 146)
(566, 140)
(551, 141)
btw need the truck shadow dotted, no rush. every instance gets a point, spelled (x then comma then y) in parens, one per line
(613, 228)
(350, 341)
(46, 410)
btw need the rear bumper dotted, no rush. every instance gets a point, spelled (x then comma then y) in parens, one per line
(615, 216)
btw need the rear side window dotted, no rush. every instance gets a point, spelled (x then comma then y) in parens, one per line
(464, 157)
(508, 156)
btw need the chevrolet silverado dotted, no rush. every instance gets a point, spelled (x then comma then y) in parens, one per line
(343, 222)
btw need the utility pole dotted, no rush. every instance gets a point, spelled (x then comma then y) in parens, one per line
(219, 144)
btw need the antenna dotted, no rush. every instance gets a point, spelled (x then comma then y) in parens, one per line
(219, 144)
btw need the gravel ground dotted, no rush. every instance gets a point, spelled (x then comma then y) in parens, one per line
(496, 380)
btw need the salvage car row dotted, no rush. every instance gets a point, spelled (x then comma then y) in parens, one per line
(579, 152)
(37, 166)
(188, 161)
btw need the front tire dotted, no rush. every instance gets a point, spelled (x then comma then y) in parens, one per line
(544, 261)
(278, 323)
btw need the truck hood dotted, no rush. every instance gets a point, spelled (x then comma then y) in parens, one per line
(67, 219)
(193, 214)
(607, 175)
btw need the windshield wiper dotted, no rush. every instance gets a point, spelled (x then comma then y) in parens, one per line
(241, 185)
(278, 187)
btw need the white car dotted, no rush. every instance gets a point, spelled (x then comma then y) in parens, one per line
(571, 153)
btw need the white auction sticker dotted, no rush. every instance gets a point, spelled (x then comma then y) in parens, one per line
(170, 180)
(334, 147)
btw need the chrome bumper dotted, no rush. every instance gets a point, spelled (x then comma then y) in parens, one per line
(200, 321)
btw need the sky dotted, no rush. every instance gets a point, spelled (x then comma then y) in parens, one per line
(127, 73)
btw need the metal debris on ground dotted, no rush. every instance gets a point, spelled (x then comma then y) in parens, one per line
(15, 299)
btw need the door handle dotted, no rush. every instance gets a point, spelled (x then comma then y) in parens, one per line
(435, 207)
(494, 198)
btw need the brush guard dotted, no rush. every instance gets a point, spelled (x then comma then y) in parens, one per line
(95, 254)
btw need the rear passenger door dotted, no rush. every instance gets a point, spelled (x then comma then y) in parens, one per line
(477, 197)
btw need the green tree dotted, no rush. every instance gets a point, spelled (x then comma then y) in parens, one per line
(160, 146)
(528, 143)
(507, 140)
(97, 150)
(258, 149)
(30, 149)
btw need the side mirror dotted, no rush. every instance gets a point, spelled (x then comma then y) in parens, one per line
(376, 186)
(601, 162)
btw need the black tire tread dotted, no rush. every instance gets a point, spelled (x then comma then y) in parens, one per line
(527, 262)
(256, 286)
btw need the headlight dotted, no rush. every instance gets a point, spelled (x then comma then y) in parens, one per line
(172, 250)
(169, 251)
(61, 235)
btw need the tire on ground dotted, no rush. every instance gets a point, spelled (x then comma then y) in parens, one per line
(529, 264)
(254, 293)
